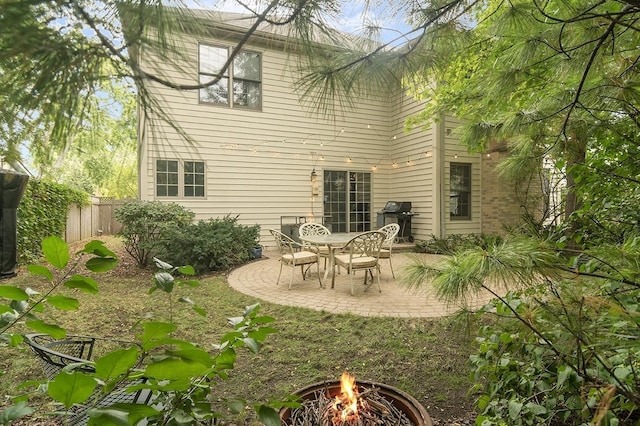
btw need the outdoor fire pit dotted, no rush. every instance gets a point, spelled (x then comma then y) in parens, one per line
(347, 403)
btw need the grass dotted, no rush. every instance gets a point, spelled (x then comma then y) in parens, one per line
(424, 357)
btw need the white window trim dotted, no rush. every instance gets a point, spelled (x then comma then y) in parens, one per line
(181, 181)
(230, 78)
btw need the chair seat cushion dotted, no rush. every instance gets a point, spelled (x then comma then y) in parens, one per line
(385, 254)
(358, 262)
(300, 257)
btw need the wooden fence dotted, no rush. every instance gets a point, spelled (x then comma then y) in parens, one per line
(93, 220)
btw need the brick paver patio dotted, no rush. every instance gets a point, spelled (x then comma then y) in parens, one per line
(258, 279)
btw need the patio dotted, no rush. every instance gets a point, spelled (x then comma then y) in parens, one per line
(258, 279)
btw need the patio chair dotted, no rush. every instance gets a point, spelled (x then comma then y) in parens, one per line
(391, 231)
(362, 253)
(77, 352)
(294, 254)
(313, 228)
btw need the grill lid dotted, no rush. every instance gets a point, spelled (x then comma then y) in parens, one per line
(397, 207)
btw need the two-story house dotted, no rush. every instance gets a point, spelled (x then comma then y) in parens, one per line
(256, 152)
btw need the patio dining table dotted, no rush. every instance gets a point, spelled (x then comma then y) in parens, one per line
(334, 242)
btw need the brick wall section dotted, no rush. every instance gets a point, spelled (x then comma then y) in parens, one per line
(500, 205)
(502, 199)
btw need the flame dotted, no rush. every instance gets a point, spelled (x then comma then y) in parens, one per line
(348, 399)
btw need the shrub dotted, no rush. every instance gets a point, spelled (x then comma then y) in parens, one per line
(563, 347)
(43, 211)
(456, 242)
(145, 225)
(575, 362)
(211, 245)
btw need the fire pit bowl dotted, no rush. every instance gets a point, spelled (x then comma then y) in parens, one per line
(400, 400)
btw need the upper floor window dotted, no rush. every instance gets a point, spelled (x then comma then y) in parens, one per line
(240, 85)
(460, 191)
(175, 179)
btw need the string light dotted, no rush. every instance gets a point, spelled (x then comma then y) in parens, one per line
(272, 148)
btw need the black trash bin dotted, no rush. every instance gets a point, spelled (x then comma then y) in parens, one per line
(12, 187)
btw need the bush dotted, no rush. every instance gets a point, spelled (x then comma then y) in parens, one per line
(211, 245)
(146, 224)
(43, 211)
(456, 242)
(562, 348)
(579, 362)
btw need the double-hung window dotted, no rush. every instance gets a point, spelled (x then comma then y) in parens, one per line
(241, 83)
(180, 179)
(460, 191)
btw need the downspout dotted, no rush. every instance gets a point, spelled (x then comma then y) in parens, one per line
(142, 148)
(439, 219)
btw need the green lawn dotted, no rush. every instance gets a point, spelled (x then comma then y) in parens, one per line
(424, 357)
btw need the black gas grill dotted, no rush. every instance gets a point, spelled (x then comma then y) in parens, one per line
(398, 212)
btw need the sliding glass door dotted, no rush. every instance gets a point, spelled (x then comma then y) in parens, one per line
(347, 201)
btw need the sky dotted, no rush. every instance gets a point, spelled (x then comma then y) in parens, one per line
(352, 19)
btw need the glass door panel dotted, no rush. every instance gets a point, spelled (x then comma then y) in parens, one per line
(347, 201)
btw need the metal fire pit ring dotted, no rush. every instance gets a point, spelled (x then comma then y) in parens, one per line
(400, 399)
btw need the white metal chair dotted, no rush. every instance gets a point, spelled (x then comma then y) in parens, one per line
(391, 232)
(313, 228)
(294, 254)
(362, 253)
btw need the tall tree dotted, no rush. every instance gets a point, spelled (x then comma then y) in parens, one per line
(547, 77)
(101, 156)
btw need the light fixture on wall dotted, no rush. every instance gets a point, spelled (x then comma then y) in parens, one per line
(314, 176)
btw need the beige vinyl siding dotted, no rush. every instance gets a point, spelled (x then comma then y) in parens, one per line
(453, 148)
(258, 163)
(414, 173)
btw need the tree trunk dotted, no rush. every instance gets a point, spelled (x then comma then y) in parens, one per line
(576, 152)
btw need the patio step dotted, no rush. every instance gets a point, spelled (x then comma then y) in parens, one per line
(403, 247)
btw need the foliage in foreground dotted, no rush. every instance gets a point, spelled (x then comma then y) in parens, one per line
(178, 372)
(455, 242)
(564, 346)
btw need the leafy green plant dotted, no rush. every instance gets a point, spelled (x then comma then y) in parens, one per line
(43, 211)
(180, 374)
(211, 245)
(563, 346)
(23, 304)
(145, 224)
(455, 242)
